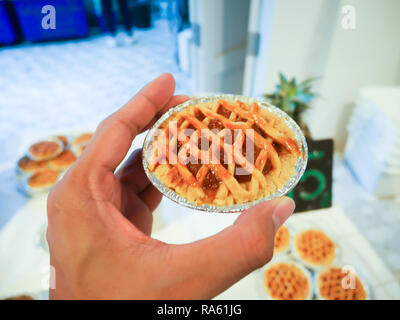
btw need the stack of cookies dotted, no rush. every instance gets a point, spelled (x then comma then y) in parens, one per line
(45, 161)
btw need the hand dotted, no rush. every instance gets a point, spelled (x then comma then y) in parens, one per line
(99, 222)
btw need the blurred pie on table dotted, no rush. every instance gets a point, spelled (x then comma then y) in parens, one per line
(314, 248)
(21, 297)
(46, 160)
(28, 166)
(64, 140)
(45, 150)
(333, 284)
(82, 139)
(282, 240)
(232, 174)
(79, 144)
(43, 180)
(287, 281)
(63, 161)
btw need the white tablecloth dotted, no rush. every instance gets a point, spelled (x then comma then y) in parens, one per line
(24, 258)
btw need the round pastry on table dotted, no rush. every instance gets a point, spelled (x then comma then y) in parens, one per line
(314, 248)
(63, 161)
(333, 283)
(287, 280)
(45, 150)
(82, 139)
(20, 297)
(80, 142)
(63, 139)
(42, 181)
(28, 166)
(282, 240)
(78, 149)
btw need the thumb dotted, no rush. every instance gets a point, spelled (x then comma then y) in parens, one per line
(217, 262)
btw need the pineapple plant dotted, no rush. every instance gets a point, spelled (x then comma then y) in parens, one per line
(293, 98)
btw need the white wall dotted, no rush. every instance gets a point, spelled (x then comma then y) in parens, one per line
(218, 60)
(308, 40)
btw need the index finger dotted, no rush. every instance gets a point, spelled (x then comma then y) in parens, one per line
(114, 135)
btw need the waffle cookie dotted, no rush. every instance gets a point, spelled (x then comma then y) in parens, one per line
(314, 248)
(333, 284)
(287, 281)
(223, 153)
(282, 240)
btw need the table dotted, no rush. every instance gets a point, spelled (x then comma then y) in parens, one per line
(24, 259)
(355, 250)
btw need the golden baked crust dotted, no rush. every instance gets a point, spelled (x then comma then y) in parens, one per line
(43, 179)
(64, 140)
(315, 248)
(286, 281)
(218, 182)
(28, 166)
(282, 239)
(79, 149)
(45, 150)
(63, 161)
(82, 139)
(330, 286)
(21, 297)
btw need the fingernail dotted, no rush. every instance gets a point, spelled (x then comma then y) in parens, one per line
(282, 211)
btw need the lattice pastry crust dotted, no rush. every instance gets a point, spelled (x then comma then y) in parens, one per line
(286, 281)
(330, 286)
(315, 248)
(233, 174)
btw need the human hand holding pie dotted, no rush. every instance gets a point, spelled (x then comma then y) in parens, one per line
(99, 222)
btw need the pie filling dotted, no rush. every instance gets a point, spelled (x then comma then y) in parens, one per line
(224, 153)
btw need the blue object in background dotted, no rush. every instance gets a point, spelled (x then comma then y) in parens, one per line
(71, 20)
(7, 34)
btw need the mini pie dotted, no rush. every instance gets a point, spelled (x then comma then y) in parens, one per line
(45, 150)
(21, 297)
(64, 140)
(27, 165)
(79, 144)
(43, 179)
(82, 139)
(330, 287)
(314, 248)
(286, 281)
(79, 149)
(232, 175)
(63, 161)
(282, 240)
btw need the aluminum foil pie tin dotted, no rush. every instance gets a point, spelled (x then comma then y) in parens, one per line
(300, 165)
